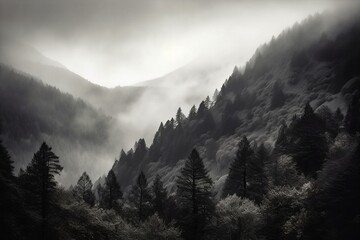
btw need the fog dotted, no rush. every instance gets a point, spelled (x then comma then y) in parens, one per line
(115, 43)
(186, 48)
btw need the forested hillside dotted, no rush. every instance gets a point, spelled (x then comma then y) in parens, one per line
(32, 112)
(313, 62)
(275, 154)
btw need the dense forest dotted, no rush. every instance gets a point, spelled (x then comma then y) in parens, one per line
(306, 187)
(274, 154)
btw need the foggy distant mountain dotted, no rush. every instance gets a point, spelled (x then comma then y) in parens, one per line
(32, 112)
(182, 87)
(312, 62)
(195, 80)
(28, 60)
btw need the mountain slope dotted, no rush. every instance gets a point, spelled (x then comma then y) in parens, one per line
(27, 59)
(32, 112)
(312, 62)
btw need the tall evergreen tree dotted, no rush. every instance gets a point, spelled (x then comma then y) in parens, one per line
(180, 117)
(194, 196)
(83, 189)
(308, 144)
(258, 181)
(6, 167)
(39, 182)
(281, 141)
(202, 110)
(9, 200)
(160, 196)
(140, 196)
(215, 96)
(192, 113)
(207, 102)
(238, 178)
(111, 192)
(352, 118)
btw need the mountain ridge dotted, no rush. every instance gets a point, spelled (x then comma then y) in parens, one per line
(296, 65)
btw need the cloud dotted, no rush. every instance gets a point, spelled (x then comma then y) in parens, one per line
(121, 42)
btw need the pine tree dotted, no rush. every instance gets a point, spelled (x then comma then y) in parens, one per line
(9, 200)
(281, 141)
(202, 110)
(192, 113)
(140, 151)
(180, 117)
(111, 192)
(160, 196)
(83, 189)
(238, 178)
(39, 183)
(159, 134)
(207, 102)
(257, 176)
(307, 144)
(215, 96)
(352, 118)
(122, 156)
(140, 196)
(194, 196)
(6, 167)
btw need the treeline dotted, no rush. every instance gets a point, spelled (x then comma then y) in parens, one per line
(307, 187)
(313, 60)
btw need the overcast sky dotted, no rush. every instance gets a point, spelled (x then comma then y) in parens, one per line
(118, 42)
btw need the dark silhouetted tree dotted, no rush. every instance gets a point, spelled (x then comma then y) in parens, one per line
(160, 196)
(281, 142)
(111, 192)
(194, 196)
(334, 209)
(192, 113)
(238, 178)
(215, 96)
(207, 102)
(9, 200)
(352, 118)
(202, 110)
(308, 145)
(39, 182)
(180, 117)
(83, 189)
(140, 196)
(258, 182)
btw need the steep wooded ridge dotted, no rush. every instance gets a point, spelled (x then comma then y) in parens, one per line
(32, 112)
(315, 61)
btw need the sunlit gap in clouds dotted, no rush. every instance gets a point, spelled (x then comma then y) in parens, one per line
(144, 41)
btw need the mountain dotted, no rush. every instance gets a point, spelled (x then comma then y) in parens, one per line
(182, 87)
(26, 59)
(32, 112)
(195, 80)
(314, 62)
